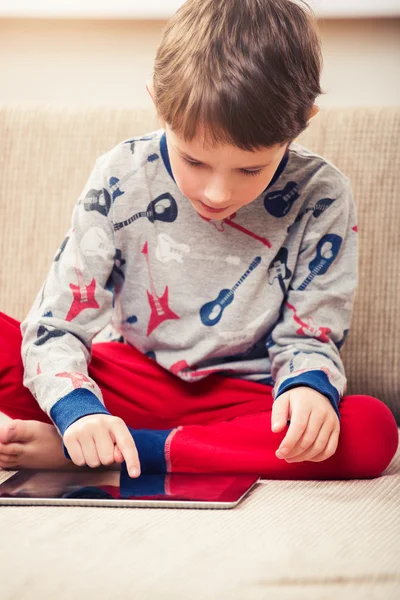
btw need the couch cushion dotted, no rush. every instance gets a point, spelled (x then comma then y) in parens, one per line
(48, 155)
(363, 143)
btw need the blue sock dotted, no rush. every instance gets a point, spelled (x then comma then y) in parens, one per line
(150, 444)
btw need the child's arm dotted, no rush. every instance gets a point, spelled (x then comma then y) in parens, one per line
(317, 308)
(74, 304)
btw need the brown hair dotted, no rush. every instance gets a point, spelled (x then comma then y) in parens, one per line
(248, 70)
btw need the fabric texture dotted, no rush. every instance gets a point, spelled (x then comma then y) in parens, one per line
(264, 295)
(40, 155)
(214, 425)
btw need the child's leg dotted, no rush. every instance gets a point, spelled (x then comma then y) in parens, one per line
(16, 401)
(220, 424)
(214, 425)
(367, 443)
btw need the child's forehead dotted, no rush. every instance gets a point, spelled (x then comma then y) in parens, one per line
(201, 148)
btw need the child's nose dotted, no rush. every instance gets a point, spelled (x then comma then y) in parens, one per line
(218, 197)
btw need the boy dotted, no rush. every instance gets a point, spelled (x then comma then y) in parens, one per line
(226, 256)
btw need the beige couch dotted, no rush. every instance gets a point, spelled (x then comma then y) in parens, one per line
(290, 540)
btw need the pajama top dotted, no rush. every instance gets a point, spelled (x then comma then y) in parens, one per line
(265, 294)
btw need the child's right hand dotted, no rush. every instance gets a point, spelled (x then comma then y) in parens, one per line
(100, 439)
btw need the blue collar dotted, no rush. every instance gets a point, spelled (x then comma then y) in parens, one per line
(165, 155)
(167, 163)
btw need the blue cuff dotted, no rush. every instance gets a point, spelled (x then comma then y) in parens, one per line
(317, 380)
(75, 405)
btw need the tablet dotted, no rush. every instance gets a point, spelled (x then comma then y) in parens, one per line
(88, 487)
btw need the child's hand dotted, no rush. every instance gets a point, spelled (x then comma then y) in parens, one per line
(101, 439)
(314, 426)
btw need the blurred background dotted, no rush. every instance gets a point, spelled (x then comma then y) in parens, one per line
(97, 52)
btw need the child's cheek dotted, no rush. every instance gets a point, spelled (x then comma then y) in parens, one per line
(189, 185)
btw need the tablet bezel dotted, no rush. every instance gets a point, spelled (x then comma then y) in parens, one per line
(135, 503)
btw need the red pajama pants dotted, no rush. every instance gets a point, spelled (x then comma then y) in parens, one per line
(220, 425)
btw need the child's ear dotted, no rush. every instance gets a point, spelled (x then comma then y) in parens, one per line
(150, 88)
(314, 111)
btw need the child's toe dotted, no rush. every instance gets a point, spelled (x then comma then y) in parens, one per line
(8, 461)
(11, 449)
(8, 433)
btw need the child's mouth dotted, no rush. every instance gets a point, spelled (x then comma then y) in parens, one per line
(213, 210)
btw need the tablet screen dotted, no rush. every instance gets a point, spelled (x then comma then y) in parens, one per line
(112, 486)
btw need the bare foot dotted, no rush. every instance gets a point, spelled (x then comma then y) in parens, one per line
(33, 445)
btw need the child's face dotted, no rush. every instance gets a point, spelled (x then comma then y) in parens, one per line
(223, 178)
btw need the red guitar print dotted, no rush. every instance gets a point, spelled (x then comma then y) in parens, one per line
(77, 379)
(181, 366)
(160, 311)
(298, 371)
(307, 330)
(84, 296)
(229, 221)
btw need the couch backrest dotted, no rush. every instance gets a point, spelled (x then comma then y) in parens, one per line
(47, 155)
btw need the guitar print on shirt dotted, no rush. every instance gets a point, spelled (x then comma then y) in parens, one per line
(168, 249)
(163, 208)
(279, 270)
(308, 328)
(229, 221)
(252, 342)
(211, 312)
(280, 203)
(182, 370)
(100, 200)
(340, 343)
(83, 295)
(160, 311)
(61, 249)
(317, 210)
(77, 379)
(327, 250)
(132, 142)
(44, 335)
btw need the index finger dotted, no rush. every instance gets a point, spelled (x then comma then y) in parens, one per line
(298, 425)
(127, 447)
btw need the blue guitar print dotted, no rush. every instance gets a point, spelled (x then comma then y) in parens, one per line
(327, 250)
(340, 343)
(279, 203)
(44, 335)
(132, 142)
(211, 312)
(317, 210)
(279, 270)
(101, 200)
(163, 208)
(115, 183)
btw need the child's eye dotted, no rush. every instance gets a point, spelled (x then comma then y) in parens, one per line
(251, 172)
(192, 163)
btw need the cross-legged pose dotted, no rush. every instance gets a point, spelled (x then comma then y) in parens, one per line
(221, 258)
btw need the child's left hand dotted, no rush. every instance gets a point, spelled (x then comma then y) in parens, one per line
(314, 429)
